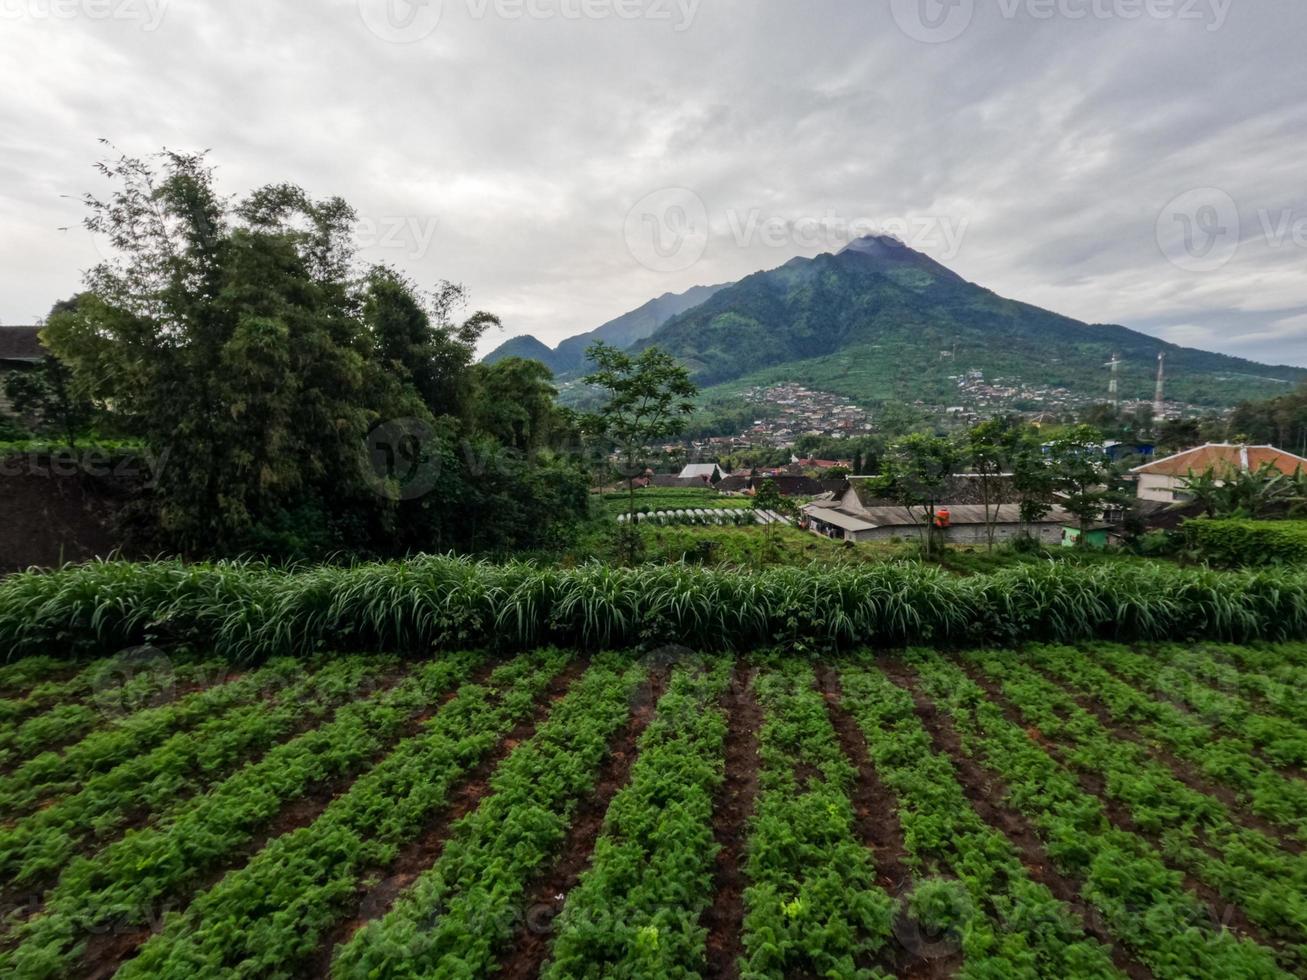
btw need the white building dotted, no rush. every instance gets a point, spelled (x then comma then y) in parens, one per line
(859, 515)
(1165, 479)
(702, 471)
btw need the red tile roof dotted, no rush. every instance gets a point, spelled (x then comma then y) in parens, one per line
(1220, 458)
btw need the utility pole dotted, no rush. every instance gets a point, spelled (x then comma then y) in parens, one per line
(1159, 400)
(1114, 386)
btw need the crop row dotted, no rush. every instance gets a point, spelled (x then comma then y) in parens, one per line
(256, 840)
(1275, 696)
(636, 910)
(459, 914)
(17, 678)
(52, 774)
(32, 692)
(132, 881)
(1283, 741)
(1227, 759)
(1143, 902)
(159, 781)
(1007, 924)
(56, 712)
(244, 924)
(1285, 662)
(1195, 832)
(248, 611)
(813, 907)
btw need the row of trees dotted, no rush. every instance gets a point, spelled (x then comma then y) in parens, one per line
(1072, 470)
(1281, 421)
(303, 404)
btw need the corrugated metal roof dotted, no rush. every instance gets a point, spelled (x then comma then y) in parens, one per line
(839, 519)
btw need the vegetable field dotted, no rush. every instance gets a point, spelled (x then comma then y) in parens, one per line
(1096, 810)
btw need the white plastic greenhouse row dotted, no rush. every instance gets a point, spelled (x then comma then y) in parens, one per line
(718, 516)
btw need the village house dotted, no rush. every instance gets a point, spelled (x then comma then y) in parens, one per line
(704, 472)
(859, 515)
(1166, 479)
(20, 350)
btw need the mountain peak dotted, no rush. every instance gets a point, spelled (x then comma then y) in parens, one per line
(879, 246)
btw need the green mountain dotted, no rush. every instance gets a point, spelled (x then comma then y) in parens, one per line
(880, 321)
(569, 356)
(526, 347)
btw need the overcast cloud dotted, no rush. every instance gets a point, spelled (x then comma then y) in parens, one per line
(1127, 161)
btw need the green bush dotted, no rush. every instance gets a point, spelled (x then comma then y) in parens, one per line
(1159, 544)
(248, 611)
(1240, 543)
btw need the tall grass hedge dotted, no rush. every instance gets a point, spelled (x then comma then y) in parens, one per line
(248, 611)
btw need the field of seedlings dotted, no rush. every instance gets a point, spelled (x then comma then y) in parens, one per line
(1087, 810)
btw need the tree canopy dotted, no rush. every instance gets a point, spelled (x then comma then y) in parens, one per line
(243, 337)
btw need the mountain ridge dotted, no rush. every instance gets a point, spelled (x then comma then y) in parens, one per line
(879, 321)
(623, 331)
(881, 300)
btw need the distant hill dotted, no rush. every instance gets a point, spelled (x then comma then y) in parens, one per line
(569, 356)
(880, 321)
(526, 347)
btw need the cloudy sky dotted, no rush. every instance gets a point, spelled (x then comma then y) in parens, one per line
(1130, 161)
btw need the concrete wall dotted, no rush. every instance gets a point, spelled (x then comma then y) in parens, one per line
(969, 534)
(52, 512)
(1154, 487)
(957, 534)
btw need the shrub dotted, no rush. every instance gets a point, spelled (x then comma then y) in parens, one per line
(1238, 543)
(1159, 544)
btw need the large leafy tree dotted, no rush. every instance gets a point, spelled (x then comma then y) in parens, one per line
(516, 402)
(241, 339)
(1083, 475)
(224, 332)
(990, 451)
(1033, 478)
(1281, 421)
(916, 471)
(649, 398)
